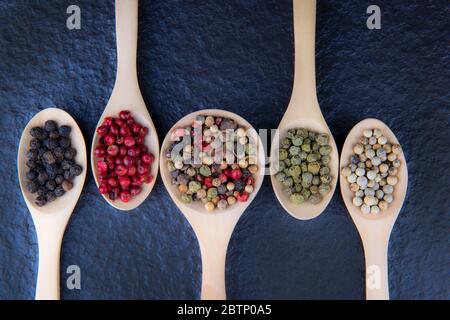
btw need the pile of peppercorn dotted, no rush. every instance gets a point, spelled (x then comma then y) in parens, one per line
(124, 162)
(372, 172)
(51, 162)
(212, 161)
(303, 168)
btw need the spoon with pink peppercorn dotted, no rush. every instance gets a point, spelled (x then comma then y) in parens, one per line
(125, 147)
(228, 187)
(50, 217)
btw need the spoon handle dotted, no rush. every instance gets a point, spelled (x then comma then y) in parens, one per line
(126, 38)
(213, 233)
(213, 269)
(376, 250)
(304, 101)
(50, 234)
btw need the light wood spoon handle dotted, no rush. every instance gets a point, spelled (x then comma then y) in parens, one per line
(50, 234)
(376, 253)
(213, 234)
(126, 38)
(213, 269)
(304, 96)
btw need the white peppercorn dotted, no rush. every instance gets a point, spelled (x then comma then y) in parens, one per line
(365, 209)
(388, 189)
(374, 209)
(357, 201)
(383, 205)
(361, 181)
(360, 172)
(382, 140)
(379, 194)
(388, 198)
(371, 175)
(392, 180)
(367, 133)
(352, 178)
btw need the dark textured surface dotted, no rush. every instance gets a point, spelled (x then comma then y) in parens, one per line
(235, 55)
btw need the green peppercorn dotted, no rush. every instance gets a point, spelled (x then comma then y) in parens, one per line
(205, 171)
(186, 198)
(288, 182)
(294, 150)
(297, 141)
(281, 176)
(296, 198)
(211, 193)
(314, 167)
(283, 154)
(194, 186)
(325, 150)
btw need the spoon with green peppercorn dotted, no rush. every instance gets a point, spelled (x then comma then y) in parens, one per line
(374, 228)
(50, 220)
(212, 228)
(126, 95)
(304, 113)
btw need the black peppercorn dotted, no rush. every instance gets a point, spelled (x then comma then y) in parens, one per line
(32, 175)
(70, 153)
(50, 126)
(59, 179)
(37, 132)
(50, 196)
(35, 143)
(64, 131)
(67, 185)
(64, 143)
(48, 157)
(32, 186)
(76, 170)
(50, 185)
(59, 191)
(41, 201)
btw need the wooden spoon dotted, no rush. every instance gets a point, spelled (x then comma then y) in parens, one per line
(50, 220)
(126, 95)
(304, 110)
(374, 230)
(213, 229)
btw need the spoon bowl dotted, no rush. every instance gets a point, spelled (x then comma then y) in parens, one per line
(213, 229)
(126, 95)
(374, 230)
(50, 220)
(304, 110)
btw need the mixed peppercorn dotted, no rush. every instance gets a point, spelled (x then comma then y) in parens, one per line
(372, 172)
(124, 162)
(303, 168)
(51, 162)
(213, 161)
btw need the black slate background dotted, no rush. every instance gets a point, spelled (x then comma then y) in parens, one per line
(235, 55)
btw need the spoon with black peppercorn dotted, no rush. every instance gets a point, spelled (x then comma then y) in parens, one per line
(213, 229)
(50, 220)
(304, 110)
(126, 95)
(374, 229)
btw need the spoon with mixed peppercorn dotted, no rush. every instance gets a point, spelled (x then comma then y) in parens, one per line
(214, 191)
(127, 103)
(52, 168)
(374, 165)
(304, 157)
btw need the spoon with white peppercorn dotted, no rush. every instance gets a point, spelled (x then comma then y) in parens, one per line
(304, 112)
(374, 224)
(50, 219)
